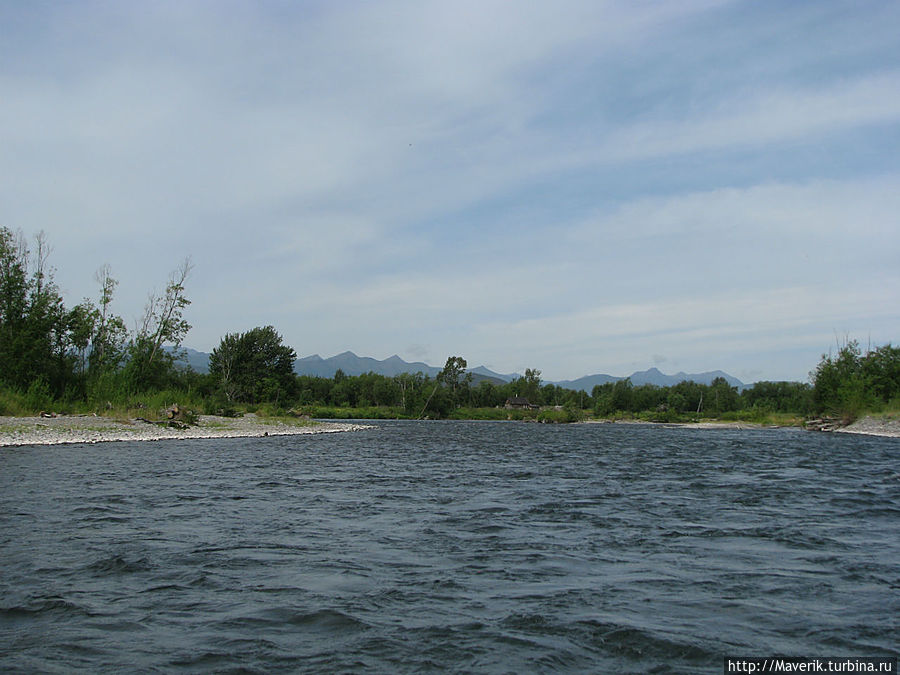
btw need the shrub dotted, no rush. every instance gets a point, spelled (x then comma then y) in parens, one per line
(38, 396)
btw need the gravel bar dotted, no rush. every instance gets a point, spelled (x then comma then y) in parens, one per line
(16, 431)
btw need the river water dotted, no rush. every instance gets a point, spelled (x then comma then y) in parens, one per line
(420, 547)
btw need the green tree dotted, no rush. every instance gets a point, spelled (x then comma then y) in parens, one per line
(163, 323)
(449, 386)
(795, 397)
(851, 382)
(623, 395)
(110, 334)
(722, 396)
(454, 377)
(13, 304)
(254, 366)
(839, 385)
(81, 320)
(35, 335)
(881, 370)
(530, 386)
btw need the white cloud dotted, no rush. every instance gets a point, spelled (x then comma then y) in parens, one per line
(481, 178)
(762, 116)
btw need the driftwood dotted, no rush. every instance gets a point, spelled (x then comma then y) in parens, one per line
(824, 424)
(174, 424)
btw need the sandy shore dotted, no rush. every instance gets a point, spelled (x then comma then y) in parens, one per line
(77, 429)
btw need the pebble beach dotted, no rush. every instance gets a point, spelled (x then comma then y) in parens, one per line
(16, 431)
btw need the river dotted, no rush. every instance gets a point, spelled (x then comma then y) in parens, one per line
(484, 547)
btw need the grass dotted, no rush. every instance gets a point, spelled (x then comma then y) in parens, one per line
(286, 421)
(764, 418)
(12, 429)
(153, 406)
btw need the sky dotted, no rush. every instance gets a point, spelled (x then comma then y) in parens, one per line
(574, 186)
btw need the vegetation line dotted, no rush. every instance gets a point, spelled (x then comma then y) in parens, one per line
(83, 359)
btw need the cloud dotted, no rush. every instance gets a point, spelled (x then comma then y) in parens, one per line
(554, 186)
(764, 116)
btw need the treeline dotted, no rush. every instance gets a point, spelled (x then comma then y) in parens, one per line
(409, 392)
(85, 357)
(50, 353)
(853, 382)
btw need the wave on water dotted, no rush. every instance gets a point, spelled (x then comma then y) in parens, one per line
(419, 547)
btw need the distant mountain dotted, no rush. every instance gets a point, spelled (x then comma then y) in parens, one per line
(198, 361)
(491, 375)
(652, 376)
(588, 382)
(352, 364)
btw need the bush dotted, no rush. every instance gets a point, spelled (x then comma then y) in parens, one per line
(559, 416)
(12, 403)
(38, 396)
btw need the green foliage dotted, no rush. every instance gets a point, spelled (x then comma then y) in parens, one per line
(560, 416)
(367, 413)
(850, 383)
(484, 414)
(457, 382)
(36, 340)
(83, 358)
(529, 386)
(881, 371)
(38, 397)
(254, 366)
(149, 366)
(12, 403)
(764, 417)
(795, 397)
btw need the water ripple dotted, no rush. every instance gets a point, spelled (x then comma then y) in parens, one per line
(449, 546)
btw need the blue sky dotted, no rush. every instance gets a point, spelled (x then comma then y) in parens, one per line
(578, 187)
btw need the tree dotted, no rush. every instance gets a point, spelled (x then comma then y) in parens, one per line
(723, 397)
(110, 334)
(881, 369)
(531, 386)
(452, 376)
(839, 385)
(254, 366)
(162, 324)
(452, 371)
(852, 382)
(622, 395)
(35, 340)
(13, 303)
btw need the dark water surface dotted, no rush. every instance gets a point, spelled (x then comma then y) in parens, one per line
(450, 546)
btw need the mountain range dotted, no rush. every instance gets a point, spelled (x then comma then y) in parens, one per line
(351, 364)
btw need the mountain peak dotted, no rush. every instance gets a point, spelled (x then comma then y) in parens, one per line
(352, 364)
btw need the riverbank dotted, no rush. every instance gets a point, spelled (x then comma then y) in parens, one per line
(871, 425)
(868, 426)
(15, 431)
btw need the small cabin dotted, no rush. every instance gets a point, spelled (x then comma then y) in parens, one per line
(519, 403)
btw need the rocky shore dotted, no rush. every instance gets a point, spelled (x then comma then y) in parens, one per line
(868, 426)
(873, 426)
(16, 431)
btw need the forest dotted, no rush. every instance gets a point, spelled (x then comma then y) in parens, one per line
(84, 359)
